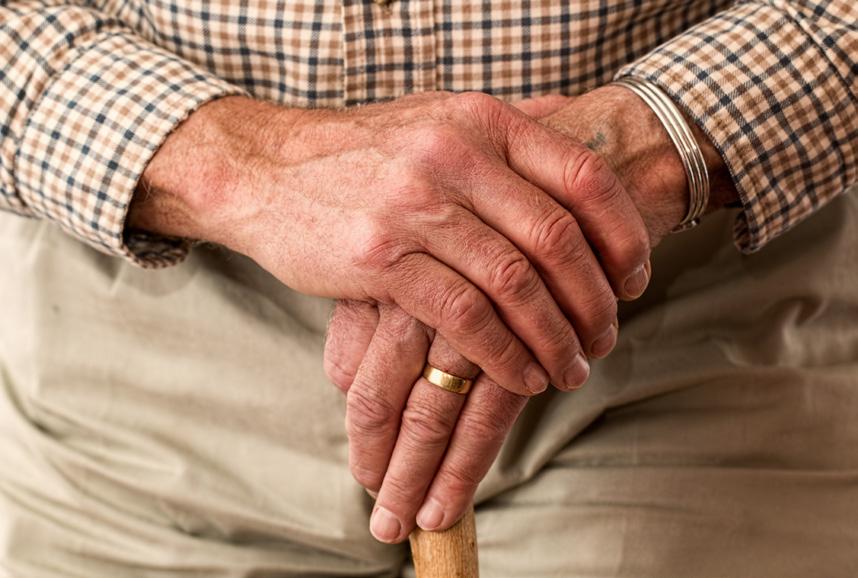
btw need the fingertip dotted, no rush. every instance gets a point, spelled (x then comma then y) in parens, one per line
(605, 343)
(368, 478)
(350, 332)
(437, 516)
(576, 374)
(337, 375)
(385, 526)
(636, 283)
(431, 515)
(535, 378)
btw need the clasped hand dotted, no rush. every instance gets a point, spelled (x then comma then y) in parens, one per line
(570, 242)
(454, 228)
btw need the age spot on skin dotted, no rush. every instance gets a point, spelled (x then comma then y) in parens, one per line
(597, 142)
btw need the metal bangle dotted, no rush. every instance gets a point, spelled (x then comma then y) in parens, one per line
(686, 145)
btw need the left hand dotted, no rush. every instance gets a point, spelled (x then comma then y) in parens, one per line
(401, 427)
(418, 445)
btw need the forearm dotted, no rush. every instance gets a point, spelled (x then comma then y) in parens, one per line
(197, 183)
(86, 100)
(338, 204)
(773, 84)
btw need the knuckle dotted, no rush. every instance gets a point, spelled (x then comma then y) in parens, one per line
(435, 144)
(378, 250)
(562, 341)
(588, 176)
(462, 307)
(399, 327)
(350, 315)
(600, 311)
(402, 340)
(556, 233)
(514, 277)
(487, 424)
(416, 192)
(491, 114)
(399, 491)
(460, 479)
(366, 477)
(577, 256)
(629, 256)
(366, 414)
(504, 351)
(448, 218)
(337, 371)
(381, 250)
(477, 102)
(632, 249)
(640, 244)
(430, 427)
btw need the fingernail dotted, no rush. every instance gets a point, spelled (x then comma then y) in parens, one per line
(636, 283)
(373, 495)
(603, 344)
(577, 373)
(535, 378)
(431, 515)
(384, 525)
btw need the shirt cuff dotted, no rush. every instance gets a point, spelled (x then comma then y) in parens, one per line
(93, 130)
(770, 101)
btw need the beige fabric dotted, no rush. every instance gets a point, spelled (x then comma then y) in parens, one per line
(177, 423)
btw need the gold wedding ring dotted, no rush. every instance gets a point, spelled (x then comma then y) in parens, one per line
(447, 381)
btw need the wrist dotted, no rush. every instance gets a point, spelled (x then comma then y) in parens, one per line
(202, 182)
(617, 124)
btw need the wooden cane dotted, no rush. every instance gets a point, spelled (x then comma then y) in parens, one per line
(448, 554)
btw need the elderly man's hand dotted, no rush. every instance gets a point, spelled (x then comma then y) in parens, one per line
(426, 449)
(404, 434)
(466, 213)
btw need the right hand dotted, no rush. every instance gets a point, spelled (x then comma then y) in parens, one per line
(458, 209)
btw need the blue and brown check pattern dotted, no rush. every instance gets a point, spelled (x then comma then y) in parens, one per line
(89, 89)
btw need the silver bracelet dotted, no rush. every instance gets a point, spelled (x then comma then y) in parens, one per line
(686, 145)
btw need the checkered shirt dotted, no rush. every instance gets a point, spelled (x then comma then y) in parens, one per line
(90, 89)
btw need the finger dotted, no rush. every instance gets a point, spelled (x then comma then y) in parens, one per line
(551, 239)
(496, 266)
(374, 404)
(541, 106)
(583, 182)
(350, 331)
(483, 425)
(441, 298)
(427, 422)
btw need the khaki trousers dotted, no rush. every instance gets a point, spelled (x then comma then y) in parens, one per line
(177, 423)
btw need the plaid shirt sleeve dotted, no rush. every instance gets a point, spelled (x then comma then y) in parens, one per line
(84, 104)
(773, 84)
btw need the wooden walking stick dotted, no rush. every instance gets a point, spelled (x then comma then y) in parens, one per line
(448, 554)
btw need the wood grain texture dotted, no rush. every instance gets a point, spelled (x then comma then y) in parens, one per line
(448, 554)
